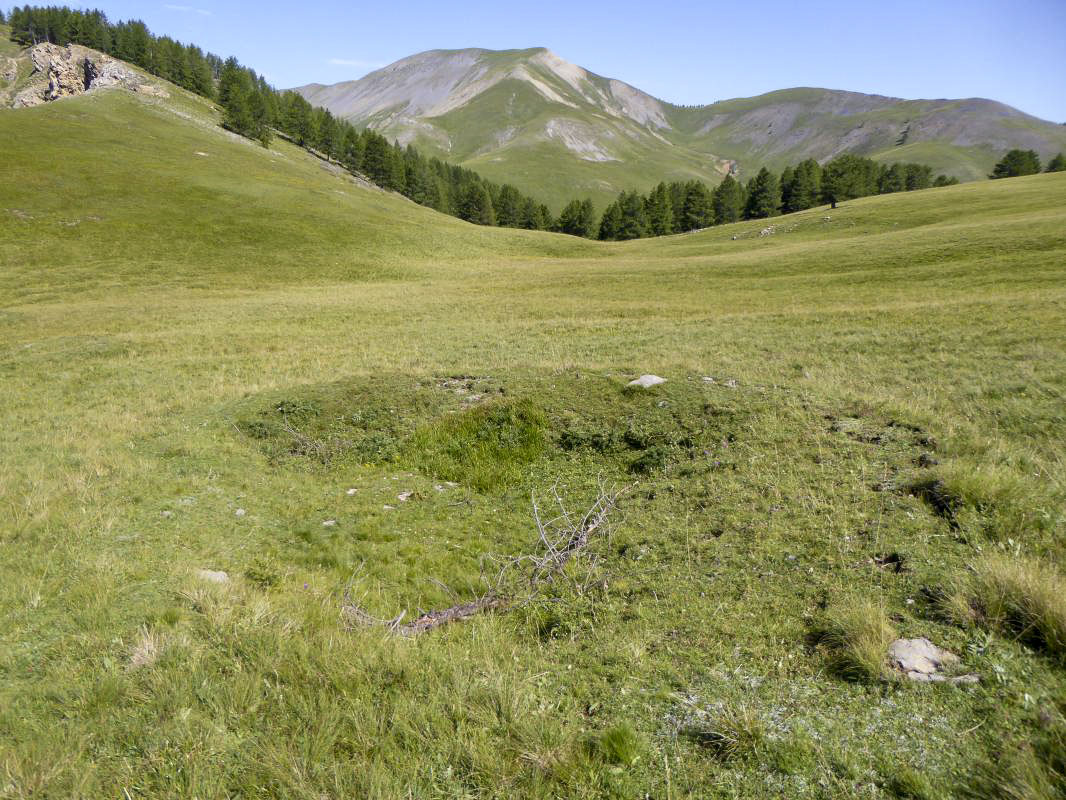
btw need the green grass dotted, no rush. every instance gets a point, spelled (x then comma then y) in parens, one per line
(183, 337)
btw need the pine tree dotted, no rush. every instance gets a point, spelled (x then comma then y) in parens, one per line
(475, 205)
(728, 201)
(847, 177)
(944, 180)
(919, 176)
(1015, 163)
(352, 149)
(610, 223)
(659, 212)
(259, 115)
(577, 219)
(893, 179)
(375, 157)
(1057, 164)
(805, 187)
(509, 207)
(634, 222)
(697, 210)
(764, 196)
(231, 80)
(788, 180)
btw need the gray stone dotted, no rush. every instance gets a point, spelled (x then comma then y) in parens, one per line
(647, 381)
(212, 575)
(922, 661)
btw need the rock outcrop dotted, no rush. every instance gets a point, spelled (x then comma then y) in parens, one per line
(69, 71)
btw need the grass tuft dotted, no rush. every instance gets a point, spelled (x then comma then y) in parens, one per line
(736, 731)
(857, 635)
(1016, 595)
(620, 745)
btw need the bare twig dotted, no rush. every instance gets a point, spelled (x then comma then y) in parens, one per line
(560, 540)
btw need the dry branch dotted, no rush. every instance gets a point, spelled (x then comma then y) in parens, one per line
(560, 540)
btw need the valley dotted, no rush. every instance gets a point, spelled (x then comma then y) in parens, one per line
(259, 417)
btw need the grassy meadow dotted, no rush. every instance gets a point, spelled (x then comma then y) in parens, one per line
(219, 357)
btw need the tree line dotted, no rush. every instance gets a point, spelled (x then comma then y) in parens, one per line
(1025, 162)
(685, 206)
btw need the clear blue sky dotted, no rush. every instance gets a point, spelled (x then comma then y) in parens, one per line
(689, 52)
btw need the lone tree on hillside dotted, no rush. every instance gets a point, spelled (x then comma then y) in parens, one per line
(1057, 164)
(1015, 163)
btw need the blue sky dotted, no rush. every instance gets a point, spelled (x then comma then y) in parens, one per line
(686, 52)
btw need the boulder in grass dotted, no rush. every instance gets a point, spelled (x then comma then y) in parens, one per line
(647, 381)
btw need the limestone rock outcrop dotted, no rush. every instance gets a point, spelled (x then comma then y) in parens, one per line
(69, 71)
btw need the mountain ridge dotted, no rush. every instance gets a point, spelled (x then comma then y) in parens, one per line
(529, 117)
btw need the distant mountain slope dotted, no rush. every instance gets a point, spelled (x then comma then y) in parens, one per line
(555, 129)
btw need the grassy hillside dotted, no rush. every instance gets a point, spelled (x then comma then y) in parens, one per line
(204, 355)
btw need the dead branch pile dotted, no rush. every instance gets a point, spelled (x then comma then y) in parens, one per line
(518, 579)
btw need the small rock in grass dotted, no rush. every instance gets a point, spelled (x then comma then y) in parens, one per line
(921, 660)
(389, 508)
(647, 381)
(709, 379)
(168, 514)
(240, 512)
(403, 497)
(212, 575)
(329, 523)
(351, 492)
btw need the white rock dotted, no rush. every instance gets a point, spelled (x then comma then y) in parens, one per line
(351, 492)
(647, 381)
(403, 497)
(389, 508)
(240, 512)
(922, 661)
(212, 575)
(329, 523)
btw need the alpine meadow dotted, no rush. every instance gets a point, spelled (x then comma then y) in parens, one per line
(320, 478)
